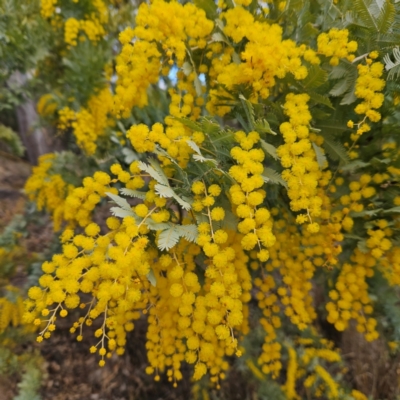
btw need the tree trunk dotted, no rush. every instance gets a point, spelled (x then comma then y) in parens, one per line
(37, 140)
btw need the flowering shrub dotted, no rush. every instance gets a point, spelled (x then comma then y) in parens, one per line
(271, 183)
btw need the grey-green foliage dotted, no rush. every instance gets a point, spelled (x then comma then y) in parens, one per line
(393, 66)
(26, 366)
(24, 38)
(84, 70)
(30, 383)
(12, 140)
(65, 163)
(9, 236)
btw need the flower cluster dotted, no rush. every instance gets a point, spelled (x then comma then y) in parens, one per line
(47, 7)
(11, 308)
(161, 24)
(298, 157)
(256, 68)
(335, 44)
(369, 84)
(218, 218)
(350, 299)
(96, 17)
(248, 196)
(48, 190)
(90, 123)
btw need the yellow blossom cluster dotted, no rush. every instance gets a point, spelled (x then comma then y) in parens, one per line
(247, 195)
(369, 84)
(172, 138)
(46, 105)
(335, 44)
(93, 25)
(71, 31)
(350, 298)
(11, 308)
(114, 268)
(298, 157)
(90, 123)
(253, 66)
(81, 202)
(307, 366)
(218, 219)
(270, 357)
(168, 25)
(47, 7)
(48, 190)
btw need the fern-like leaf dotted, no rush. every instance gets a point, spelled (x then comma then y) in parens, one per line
(168, 238)
(335, 150)
(271, 176)
(133, 193)
(316, 77)
(249, 110)
(159, 177)
(321, 158)
(386, 17)
(120, 201)
(393, 66)
(189, 232)
(368, 11)
(268, 148)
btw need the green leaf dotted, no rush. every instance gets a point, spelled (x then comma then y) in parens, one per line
(341, 87)
(194, 147)
(187, 68)
(306, 33)
(268, 148)
(130, 155)
(271, 176)
(368, 11)
(366, 213)
(354, 165)
(362, 246)
(209, 6)
(152, 278)
(133, 193)
(11, 139)
(120, 201)
(316, 77)
(182, 202)
(349, 97)
(164, 191)
(168, 238)
(157, 226)
(335, 150)
(190, 124)
(262, 125)
(249, 110)
(331, 128)
(202, 159)
(392, 210)
(189, 232)
(197, 85)
(340, 71)
(393, 67)
(321, 158)
(319, 98)
(168, 192)
(121, 213)
(386, 17)
(159, 177)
